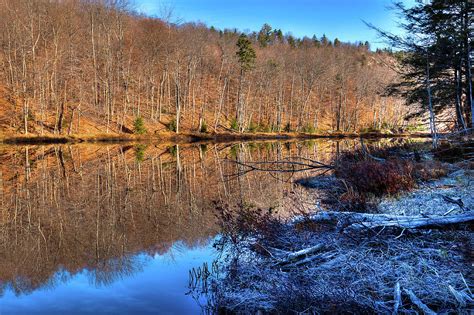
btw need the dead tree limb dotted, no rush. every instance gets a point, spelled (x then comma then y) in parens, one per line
(397, 296)
(291, 165)
(357, 221)
(302, 255)
(415, 300)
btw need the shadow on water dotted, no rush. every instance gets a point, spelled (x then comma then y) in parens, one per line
(115, 228)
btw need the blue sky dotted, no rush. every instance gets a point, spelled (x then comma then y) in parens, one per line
(335, 18)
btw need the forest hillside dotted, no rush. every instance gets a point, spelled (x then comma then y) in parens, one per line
(97, 67)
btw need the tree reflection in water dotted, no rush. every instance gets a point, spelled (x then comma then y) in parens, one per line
(69, 208)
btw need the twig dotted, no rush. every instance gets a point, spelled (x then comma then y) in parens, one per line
(457, 202)
(397, 296)
(415, 300)
(465, 283)
(401, 234)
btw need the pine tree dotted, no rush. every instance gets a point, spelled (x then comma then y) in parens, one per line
(324, 40)
(291, 41)
(279, 35)
(245, 53)
(264, 37)
(139, 126)
(436, 56)
(316, 41)
(246, 56)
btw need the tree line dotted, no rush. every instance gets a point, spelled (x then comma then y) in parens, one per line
(70, 65)
(436, 58)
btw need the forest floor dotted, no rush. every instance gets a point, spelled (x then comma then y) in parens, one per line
(377, 256)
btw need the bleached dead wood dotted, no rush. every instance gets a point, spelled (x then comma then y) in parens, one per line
(397, 296)
(302, 255)
(356, 221)
(422, 306)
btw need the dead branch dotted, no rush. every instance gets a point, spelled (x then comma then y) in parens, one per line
(357, 221)
(415, 300)
(397, 296)
(281, 166)
(302, 256)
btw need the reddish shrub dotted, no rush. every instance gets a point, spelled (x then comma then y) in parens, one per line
(377, 178)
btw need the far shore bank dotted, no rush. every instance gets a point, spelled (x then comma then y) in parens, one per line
(194, 137)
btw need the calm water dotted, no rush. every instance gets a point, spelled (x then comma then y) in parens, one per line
(114, 229)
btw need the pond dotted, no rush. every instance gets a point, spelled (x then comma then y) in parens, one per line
(115, 228)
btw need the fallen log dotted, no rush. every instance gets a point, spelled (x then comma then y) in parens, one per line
(301, 254)
(357, 221)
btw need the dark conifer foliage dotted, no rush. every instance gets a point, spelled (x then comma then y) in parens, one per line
(436, 56)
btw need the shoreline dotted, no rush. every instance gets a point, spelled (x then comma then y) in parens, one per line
(408, 254)
(194, 137)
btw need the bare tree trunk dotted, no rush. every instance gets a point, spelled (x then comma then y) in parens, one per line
(94, 62)
(467, 43)
(459, 113)
(430, 106)
(240, 103)
(279, 108)
(221, 103)
(177, 100)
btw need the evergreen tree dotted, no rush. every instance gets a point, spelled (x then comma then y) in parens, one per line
(139, 126)
(367, 45)
(316, 41)
(245, 53)
(291, 41)
(324, 40)
(436, 56)
(264, 37)
(246, 56)
(279, 35)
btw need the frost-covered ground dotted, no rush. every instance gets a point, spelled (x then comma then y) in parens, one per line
(384, 271)
(430, 198)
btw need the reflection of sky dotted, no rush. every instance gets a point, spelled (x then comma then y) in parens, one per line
(158, 289)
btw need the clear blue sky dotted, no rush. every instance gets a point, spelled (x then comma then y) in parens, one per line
(335, 18)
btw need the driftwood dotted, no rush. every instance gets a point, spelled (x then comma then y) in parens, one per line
(357, 221)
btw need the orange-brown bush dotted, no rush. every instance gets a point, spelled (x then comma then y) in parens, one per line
(377, 178)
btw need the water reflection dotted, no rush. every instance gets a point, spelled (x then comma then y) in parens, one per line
(94, 227)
